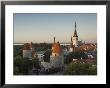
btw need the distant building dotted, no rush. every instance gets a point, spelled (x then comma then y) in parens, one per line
(80, 43)
(88, 47)
(28, 51)
(90, 56)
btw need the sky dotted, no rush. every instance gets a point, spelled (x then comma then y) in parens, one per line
(42, 27)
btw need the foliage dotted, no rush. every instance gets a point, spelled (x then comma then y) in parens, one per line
(74, 55)
(23, 65)
(80, 69)
(17, 50)
(42, 46)
(47, 55)
(92, 70)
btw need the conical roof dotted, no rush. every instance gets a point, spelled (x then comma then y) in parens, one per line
(56, 48)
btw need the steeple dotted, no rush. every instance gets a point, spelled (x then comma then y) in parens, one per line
(74, 38)
(54, 40)
(75, 32)
(71, 38)
(75, 25)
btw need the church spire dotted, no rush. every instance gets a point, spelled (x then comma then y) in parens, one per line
(54, 40)
(74, 38)
(75, 32)
(75, 25)
(71, 38)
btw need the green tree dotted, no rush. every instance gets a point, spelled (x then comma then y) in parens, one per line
(17, 50)
(79, 69)
(92, 70)
(74, 55)
(47, 55)
(22, 65)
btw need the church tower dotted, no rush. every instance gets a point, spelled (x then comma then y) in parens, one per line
(74, 38)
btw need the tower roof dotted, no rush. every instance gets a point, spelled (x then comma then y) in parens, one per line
(56, 48)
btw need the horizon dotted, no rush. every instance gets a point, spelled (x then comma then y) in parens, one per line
(42, 27)
(51, 42)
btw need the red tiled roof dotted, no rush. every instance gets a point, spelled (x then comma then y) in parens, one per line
(56, 48)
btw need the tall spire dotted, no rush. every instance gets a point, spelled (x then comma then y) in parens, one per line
(75, 25)
(75, 32)
(54, 40)
(71, 38)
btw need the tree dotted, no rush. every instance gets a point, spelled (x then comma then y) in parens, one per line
(93, 70)
(47, 55)
(74, 55)
(80, 69)
(18, 50)
(22, 65)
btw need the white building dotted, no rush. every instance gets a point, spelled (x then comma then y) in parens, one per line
(71, 49)
(57, 61)
(27, 54)
(40, 56)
